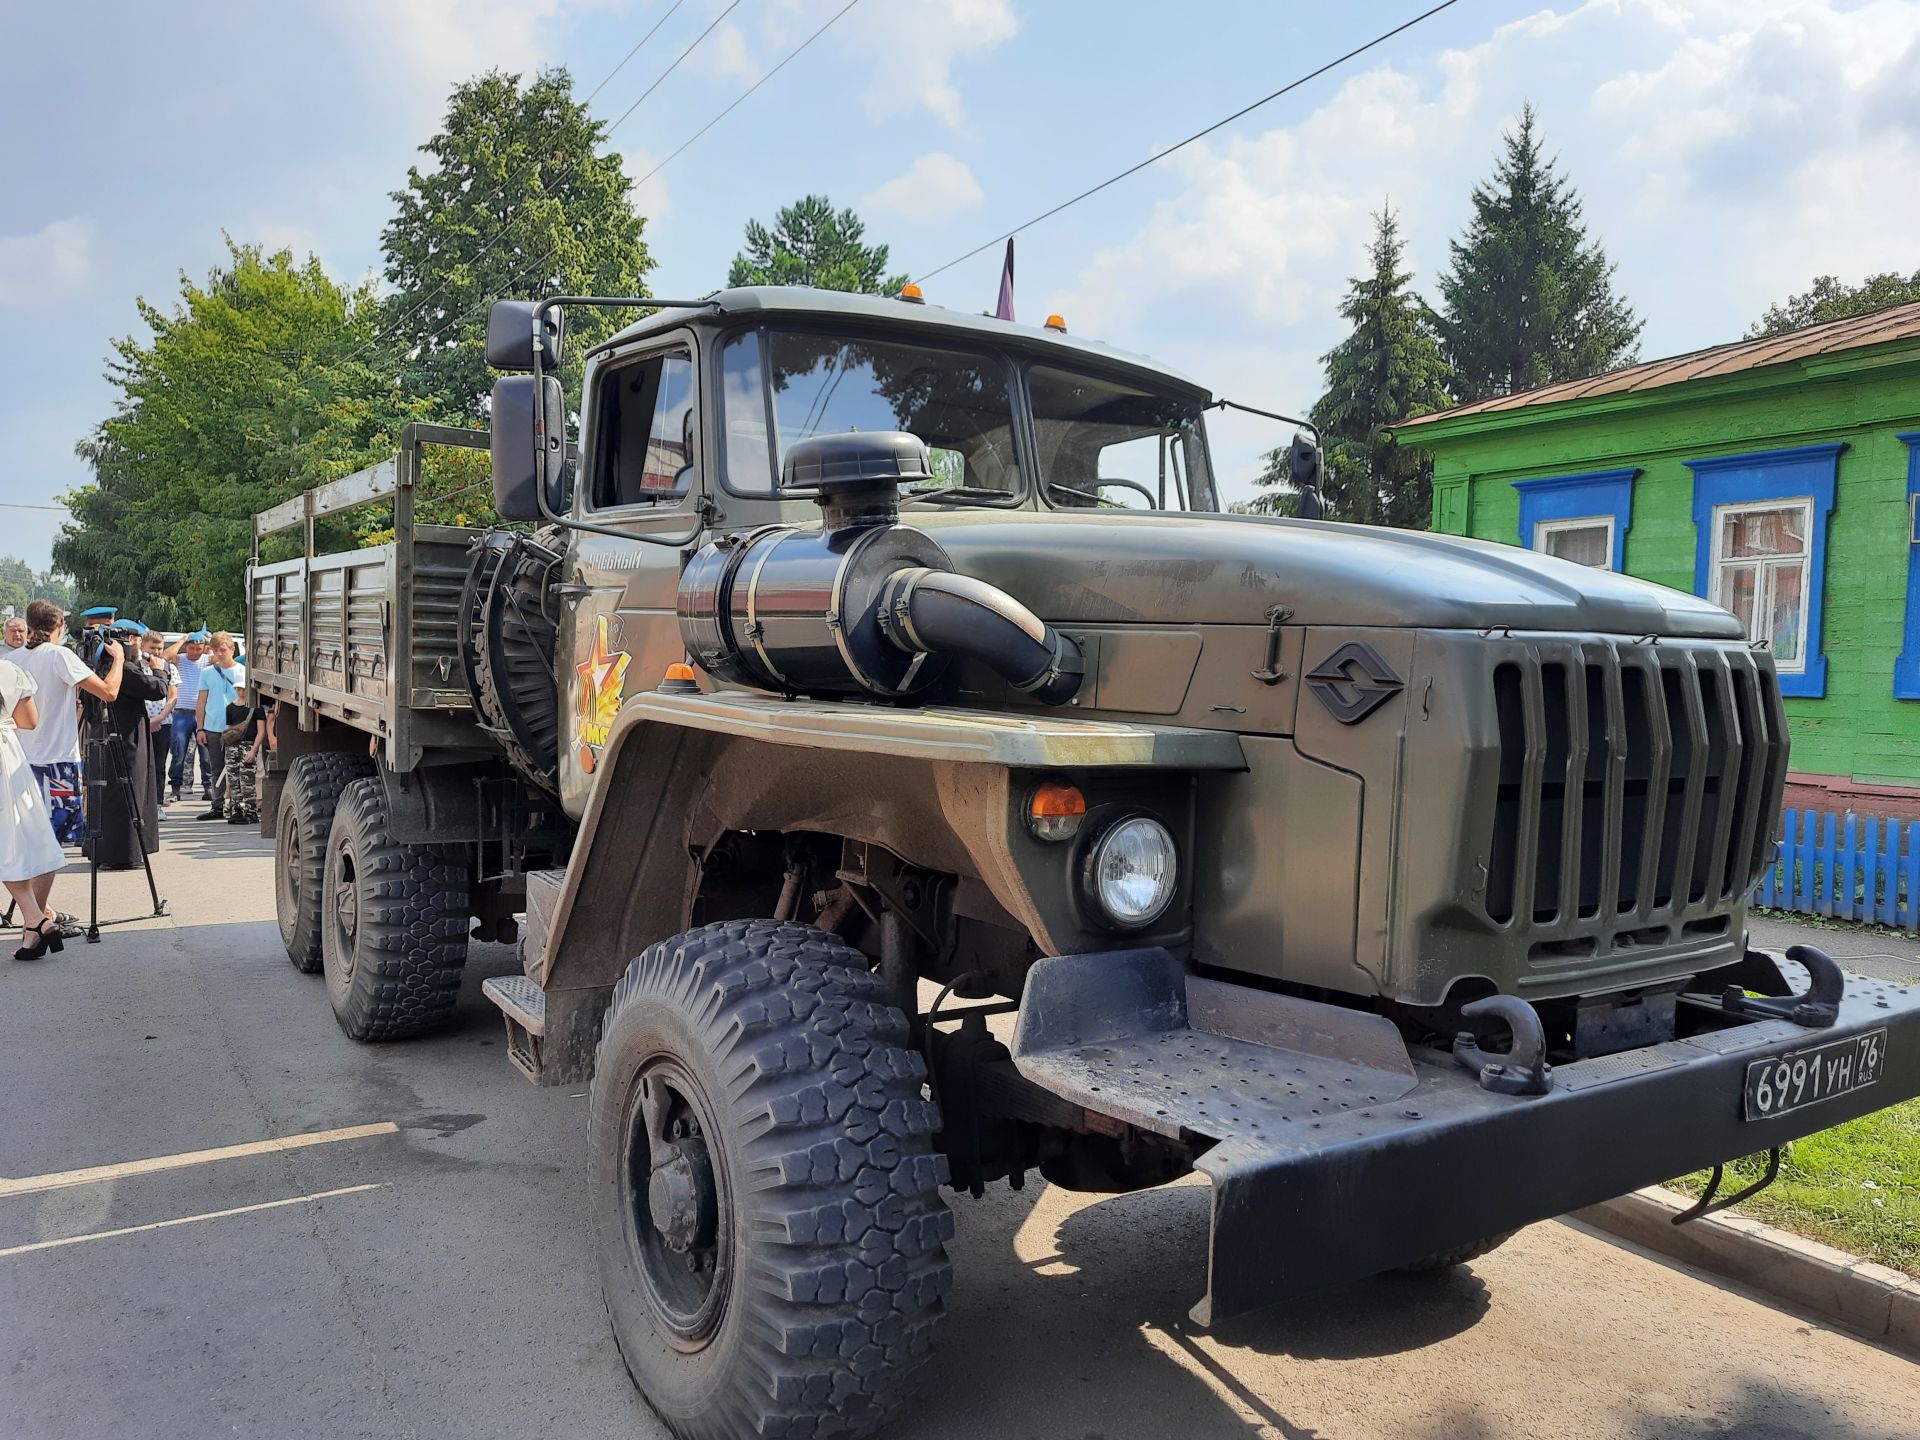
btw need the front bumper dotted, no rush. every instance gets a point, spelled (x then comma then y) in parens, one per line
(1337, 1158)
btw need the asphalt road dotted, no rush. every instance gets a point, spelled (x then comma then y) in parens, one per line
(444, 1284)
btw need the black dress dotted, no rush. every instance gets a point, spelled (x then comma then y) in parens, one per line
(126, 718)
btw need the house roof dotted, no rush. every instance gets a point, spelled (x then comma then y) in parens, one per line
(1895, 322)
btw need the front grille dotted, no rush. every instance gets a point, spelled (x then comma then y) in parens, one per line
(1639, 786)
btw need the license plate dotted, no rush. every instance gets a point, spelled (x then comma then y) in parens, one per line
(1806, 1077)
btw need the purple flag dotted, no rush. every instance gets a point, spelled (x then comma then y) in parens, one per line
(1004, 310)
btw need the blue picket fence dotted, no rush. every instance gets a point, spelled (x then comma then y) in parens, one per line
(1847, 867)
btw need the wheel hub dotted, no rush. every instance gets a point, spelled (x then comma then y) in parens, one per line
(680, 1197)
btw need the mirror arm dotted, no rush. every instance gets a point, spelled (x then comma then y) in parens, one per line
(1269, 414)
(703, 506)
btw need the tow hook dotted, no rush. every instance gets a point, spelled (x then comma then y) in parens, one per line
(1523, 1070)
(1818, 1008)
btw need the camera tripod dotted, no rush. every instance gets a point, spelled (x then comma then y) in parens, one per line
(106, 765)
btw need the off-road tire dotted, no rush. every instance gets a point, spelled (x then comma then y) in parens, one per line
(393, 929)
(1459, 1255)
(307, 804)
(830, 1268)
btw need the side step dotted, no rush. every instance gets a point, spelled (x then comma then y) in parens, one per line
(524, 1004)
(550, 1037)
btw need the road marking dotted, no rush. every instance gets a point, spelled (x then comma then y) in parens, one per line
(61, 1179)
(183, 1220)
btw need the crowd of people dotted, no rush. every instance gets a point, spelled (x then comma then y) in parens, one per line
(146, 713)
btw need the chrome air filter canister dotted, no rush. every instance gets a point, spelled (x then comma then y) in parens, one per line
(795, 610)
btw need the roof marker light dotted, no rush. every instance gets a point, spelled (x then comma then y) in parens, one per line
(1057, 322)
(911, 294)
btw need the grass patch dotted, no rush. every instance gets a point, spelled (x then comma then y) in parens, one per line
(1856, 1186)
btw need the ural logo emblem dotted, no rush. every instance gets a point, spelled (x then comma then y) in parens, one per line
(1353, 682)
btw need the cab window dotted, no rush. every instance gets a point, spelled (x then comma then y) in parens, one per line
(645, 425)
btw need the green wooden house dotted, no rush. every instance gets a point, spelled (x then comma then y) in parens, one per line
(1778, 477)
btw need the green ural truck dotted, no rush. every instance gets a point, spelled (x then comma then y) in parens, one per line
(901, 777)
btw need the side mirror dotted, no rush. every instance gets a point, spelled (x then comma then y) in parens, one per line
(521, 470)
(1304, 468)
(510, 336)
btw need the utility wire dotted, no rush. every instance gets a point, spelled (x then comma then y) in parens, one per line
(792, 55)
(534, 266)
(1292, 85)
(559, 180)
(633, 52)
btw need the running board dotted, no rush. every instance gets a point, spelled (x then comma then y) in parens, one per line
(551, 1036)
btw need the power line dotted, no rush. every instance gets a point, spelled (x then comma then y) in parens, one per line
(792, 55)
(1292, 85)
(565, 176)
(18, 505)
(633, 52)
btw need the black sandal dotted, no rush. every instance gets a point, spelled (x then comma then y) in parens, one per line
(49, 940)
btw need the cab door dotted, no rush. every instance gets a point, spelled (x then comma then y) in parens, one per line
(641, 476)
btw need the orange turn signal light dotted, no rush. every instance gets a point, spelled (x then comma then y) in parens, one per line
(911, 294)
(1057, 322)
(679, 679)
(1056, 810)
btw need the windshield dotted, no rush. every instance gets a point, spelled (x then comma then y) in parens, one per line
(802, 384)
(1109, 445)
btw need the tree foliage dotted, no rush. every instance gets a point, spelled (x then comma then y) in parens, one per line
(520, 201)
(257, 385)
(1830, 298)
(811, 243)
(1387, 369)
(1528, 299)
(21, 584)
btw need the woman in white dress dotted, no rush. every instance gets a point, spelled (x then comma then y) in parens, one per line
(29, 853)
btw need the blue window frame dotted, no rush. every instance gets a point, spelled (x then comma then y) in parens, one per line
(1906, 670)
(1559, 502)
(1725, 487)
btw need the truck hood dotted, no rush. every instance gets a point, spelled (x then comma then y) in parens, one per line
(1229, 569)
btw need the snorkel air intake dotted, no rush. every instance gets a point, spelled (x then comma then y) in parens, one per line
(860, 605)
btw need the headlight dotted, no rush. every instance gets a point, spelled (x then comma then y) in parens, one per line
(1131, 870)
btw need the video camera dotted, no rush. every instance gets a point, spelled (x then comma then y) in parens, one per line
(98, 625)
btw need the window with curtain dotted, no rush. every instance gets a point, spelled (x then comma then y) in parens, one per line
(1762, 561)
(1585, 541)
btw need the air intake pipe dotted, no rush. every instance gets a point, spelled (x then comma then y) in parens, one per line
(860, 605)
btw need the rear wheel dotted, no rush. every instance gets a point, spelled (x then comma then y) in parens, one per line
(305, 819)
(769, 1221)
(393, 933)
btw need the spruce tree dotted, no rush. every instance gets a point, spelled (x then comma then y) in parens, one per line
(1529, 299)
(811, 243)
(1387, 369)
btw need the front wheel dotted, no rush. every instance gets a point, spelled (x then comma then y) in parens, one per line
(766, 1194)
(393, 931)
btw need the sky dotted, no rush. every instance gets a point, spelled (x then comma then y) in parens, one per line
(1727, 152)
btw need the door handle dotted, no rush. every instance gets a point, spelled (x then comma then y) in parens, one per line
(571, 590)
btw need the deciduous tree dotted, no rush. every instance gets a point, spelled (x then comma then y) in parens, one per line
(1529, 298)
(811, 243)
(1829, 298)
(256, 385)
(520, 200)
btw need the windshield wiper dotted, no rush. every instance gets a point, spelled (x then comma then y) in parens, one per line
(958, 492)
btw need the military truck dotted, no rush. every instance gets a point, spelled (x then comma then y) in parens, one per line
(901, 778)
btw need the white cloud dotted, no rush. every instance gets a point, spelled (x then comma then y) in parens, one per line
(47, 266)
(916, 47)
(937, 184)
(1727, 151)
(724, 54)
